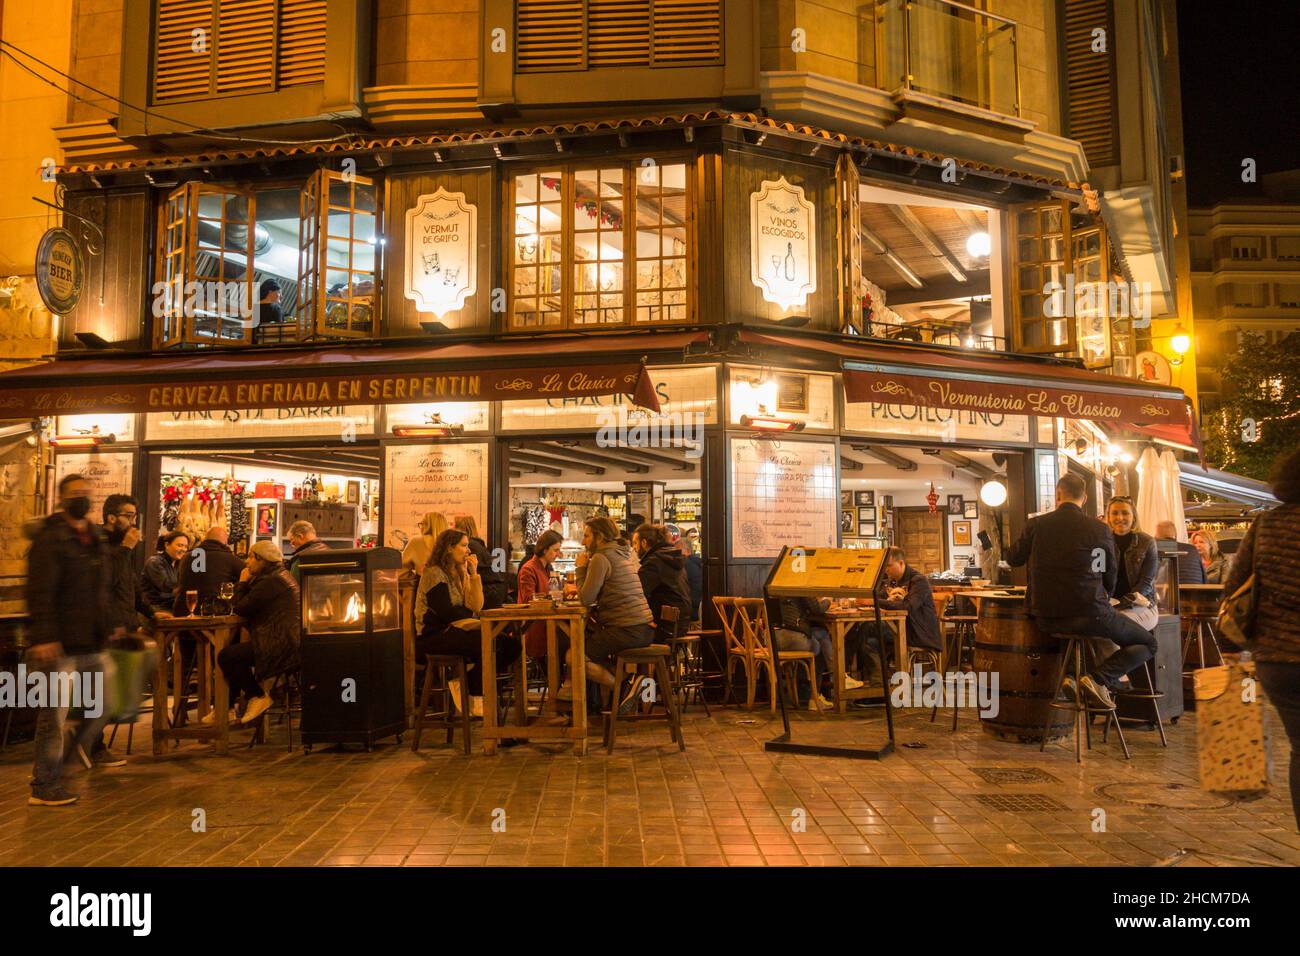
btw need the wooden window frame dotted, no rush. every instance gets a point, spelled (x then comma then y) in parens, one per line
(315, 304)
(567, 260)
(1043, 264)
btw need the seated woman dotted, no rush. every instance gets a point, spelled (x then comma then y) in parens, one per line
(1139, 561)
(158, 584)
(451, 594)
(267, 598)
(534, 580)
(1212, 560)
(608, 583)
(416, 553)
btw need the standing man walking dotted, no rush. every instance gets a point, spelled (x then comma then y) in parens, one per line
(1072, 570)
(67, 599)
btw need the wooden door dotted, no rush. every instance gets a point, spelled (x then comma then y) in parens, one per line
(922, 537)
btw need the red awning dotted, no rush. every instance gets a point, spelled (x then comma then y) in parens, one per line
(994, 382)
(564, 366)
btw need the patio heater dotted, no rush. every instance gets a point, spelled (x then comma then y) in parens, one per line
(351, 647)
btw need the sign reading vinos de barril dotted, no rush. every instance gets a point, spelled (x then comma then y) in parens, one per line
(783, 243)
(441, 252)
(59, 272)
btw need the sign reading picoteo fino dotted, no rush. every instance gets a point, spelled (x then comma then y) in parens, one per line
(441, 252)
(783, 243)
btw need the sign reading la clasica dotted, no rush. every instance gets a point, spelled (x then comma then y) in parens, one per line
(783, 243)
(191, 394)
(59, 273)
(441, 255)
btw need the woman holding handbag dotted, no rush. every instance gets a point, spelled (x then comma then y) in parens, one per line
(1270, 556)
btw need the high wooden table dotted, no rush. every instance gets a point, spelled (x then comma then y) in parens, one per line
(213, 634)
(570, 618)
(839, 621)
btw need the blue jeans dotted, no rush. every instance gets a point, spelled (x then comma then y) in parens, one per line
(819, 642)
(47, 773)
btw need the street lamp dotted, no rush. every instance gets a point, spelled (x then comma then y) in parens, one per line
(1180, 344)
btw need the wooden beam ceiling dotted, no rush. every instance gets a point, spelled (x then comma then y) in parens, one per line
(929, 240)
(582, 453)
(887, 456)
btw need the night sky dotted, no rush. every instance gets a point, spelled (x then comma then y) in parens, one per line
(1240, 63)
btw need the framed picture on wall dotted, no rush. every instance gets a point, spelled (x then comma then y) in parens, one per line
(846, 499)
(956, 505)
(971, 509)
(847, 524)
(866, 516)
(353, 493)
(961, 534)
(265, 527)
(866, 499)
(867, 529)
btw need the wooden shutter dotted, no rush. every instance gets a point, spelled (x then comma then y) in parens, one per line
(618, 32)
(302, 42)
(179, 71)
(850, 244)
(550, 35)
(1090, 80)
(686, 32)
(245, 45)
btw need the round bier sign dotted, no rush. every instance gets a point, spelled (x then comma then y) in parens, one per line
(59, 272)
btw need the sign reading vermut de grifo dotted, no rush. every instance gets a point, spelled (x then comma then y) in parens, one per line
(783, 243)
(441, 252)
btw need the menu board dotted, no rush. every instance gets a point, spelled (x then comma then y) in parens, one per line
(831, 572)
(107, 472)
(782, 493)
(450, 478)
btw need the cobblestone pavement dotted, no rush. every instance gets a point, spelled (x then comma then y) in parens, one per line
(943, 799)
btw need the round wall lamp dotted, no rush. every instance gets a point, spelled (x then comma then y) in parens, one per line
(993, 493)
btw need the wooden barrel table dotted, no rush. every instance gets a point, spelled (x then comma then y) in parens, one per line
(1008, 643)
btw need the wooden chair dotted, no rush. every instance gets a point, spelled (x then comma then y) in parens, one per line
(745, 623)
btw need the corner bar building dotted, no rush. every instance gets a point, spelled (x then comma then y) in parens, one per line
(700, 277)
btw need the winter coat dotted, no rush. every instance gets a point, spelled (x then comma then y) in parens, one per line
(270, 604)
(922, 620)
(534, 578)
(444, 603)
(609, 583)
(158, 587)
(1141, 562)
(663, 579)
(219, 566)
(1271, 551)
(695, 581)
(1071, 563)
(124, 600)
(67, 586)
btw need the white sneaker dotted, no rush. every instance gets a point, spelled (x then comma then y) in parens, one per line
(852, 683)
(825, 704)
(256, 708)
(211, 718)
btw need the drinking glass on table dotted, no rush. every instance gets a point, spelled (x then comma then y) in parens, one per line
(191, 601)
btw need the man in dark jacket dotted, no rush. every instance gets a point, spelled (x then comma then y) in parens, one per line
(1190, 569)
(124, 599)
(694, 575)
(206, 567)
(663, 574)
(303, 540)
(67, 600)
(907, 589)
(1072, 568)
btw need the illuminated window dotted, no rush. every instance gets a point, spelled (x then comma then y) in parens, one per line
(600, 246)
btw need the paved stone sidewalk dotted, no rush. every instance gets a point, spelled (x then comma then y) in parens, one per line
(956, 799)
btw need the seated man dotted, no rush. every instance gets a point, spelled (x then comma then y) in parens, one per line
(798, 632)
(906, 589)
(663, 575)
(1073, 567)
(207, 566)
(608, 584)
(1190, 568)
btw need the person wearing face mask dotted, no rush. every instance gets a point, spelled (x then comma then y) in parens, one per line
(1135, 572)
(68, 602)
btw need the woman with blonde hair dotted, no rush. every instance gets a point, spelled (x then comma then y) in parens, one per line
(418, 550)
(1207, 545)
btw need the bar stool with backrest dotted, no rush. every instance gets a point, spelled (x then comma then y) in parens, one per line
(1077, 651)
(439, 671)
(745, 623)
(685, 665)
(650, 661)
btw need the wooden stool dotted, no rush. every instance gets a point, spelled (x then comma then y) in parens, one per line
(1075, 648)
(439, 665)
(286, 683)
(1143, 693)
(655, 658)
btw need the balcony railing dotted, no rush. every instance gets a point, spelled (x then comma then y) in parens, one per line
(949, 50)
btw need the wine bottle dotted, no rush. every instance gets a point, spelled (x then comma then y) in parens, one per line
(789, 261)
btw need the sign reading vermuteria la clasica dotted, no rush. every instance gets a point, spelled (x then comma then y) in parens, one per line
(441, 255)
(783, 243)
(59, 271)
